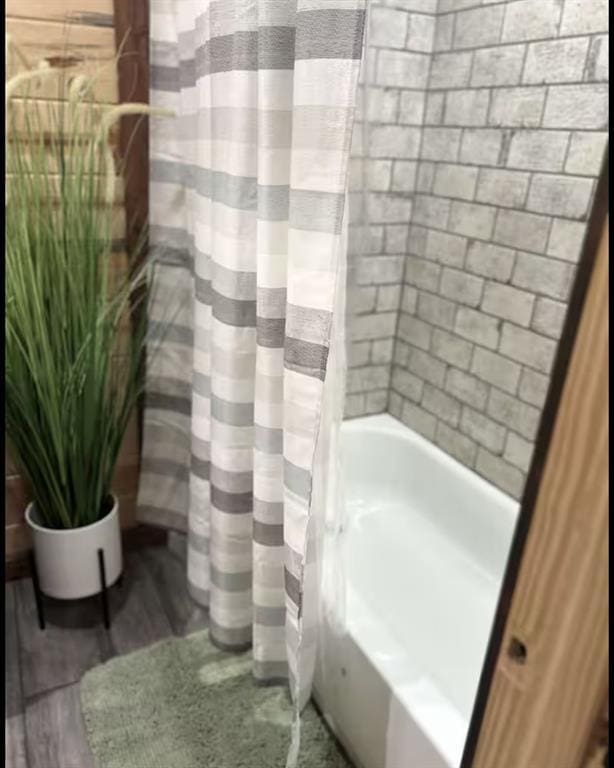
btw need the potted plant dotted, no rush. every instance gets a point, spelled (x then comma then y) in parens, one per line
(74, 364)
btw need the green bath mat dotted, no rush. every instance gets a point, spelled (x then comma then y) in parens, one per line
(183, 703)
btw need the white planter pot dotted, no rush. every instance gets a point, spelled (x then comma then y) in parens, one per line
(67, 559)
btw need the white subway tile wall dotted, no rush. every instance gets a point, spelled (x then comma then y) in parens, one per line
(487, 124)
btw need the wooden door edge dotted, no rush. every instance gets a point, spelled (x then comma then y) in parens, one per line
(545, 430)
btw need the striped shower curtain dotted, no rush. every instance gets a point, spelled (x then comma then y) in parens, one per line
(247, 195)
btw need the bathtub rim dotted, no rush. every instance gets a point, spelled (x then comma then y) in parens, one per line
(388, 424)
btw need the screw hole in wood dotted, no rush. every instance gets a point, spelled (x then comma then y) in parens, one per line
(517, 651)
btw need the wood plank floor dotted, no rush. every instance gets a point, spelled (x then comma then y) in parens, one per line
(44, 728)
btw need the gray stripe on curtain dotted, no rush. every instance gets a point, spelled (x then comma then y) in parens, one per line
(247, 229)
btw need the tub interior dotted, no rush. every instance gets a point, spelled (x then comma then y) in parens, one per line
(424, 548)
(389, 467)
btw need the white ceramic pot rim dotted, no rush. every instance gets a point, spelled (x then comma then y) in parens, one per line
(68, 531)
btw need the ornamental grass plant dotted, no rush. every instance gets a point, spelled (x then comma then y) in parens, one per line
(75, 360)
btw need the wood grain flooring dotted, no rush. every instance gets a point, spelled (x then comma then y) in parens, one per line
(44, 728)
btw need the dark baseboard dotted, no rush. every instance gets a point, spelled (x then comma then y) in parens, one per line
(132, 538)
(17, 568)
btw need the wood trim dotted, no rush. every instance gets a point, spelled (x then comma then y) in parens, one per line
(132, 36)
(551, 648)
(132, 33)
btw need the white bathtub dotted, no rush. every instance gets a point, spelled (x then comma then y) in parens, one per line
(424, 551)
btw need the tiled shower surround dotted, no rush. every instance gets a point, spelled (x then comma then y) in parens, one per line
(487, 126)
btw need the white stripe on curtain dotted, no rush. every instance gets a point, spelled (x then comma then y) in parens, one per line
(247, 195)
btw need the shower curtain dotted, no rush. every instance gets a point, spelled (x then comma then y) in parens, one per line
(247, 224)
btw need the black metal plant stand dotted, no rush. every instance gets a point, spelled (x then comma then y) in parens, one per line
(39, 594)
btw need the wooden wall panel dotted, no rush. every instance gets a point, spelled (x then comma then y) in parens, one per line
(80, 33)
(98, 13)
(47, 117)
(80, 48)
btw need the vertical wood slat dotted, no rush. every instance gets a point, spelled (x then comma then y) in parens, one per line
(132, 35)
(542, 712)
